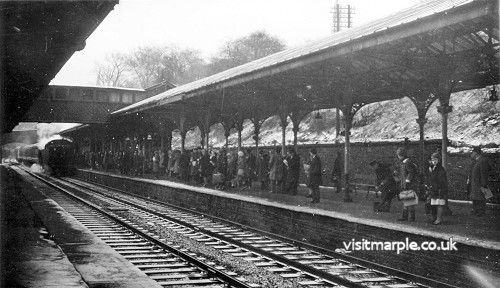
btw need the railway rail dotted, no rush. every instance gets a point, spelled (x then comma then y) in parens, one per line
(170, 266)
(312, 267)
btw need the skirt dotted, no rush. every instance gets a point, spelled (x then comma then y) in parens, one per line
(436, 202)
(241, 172)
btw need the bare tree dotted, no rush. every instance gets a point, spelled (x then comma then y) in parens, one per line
(112, 72)
(153, 65)
(254, 46)
(150, 65)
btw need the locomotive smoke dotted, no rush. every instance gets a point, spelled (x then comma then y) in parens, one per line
(46, 133)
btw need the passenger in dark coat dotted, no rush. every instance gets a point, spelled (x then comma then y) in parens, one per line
(184, 166)
(232, 167)
(315, 175)
(407, 175)
(385, 183)
(292, 164)
(128, 161)
(222, 163)
(251, 166)
(438, 187)
(206, 168)
(478, 179)
(338, 166)
(276, 171)
(263, 170)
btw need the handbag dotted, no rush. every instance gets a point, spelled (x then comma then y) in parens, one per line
(217, 178)
(407, 195)
(487, 193)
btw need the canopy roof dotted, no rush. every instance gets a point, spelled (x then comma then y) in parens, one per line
(404, 53)
(37, 38)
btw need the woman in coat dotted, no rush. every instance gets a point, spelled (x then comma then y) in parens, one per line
(263, 172)
(242, 172)
(276, 170)
(438, 188)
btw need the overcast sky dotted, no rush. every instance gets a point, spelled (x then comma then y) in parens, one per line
(205, 25)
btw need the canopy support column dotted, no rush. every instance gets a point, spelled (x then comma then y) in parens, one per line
(228, 124)
(183, 131)
(166, 138)
(239, 127)
(422, 101)
(296, 116)
(444, 108)
(226, 134)
(206, 126)
(348, 111)
(443, 91)
(162, 138)
(283, 121)
(337, 124)
(203, 137)
(257, 123)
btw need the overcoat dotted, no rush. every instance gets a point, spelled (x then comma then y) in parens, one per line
(408, 175)
(293, 167)
(478, 178)
(276, 167)
(315, 172)
(438, 182)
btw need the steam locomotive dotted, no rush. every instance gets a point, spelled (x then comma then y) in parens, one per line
(57, 157)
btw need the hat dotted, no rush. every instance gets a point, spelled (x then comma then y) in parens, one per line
(477, 150)
(436, 155)
(401, 152)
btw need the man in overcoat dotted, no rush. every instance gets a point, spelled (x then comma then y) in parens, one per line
(337, 170)
(385, 184)
(293, 171)
(478, 180)
(315, 172)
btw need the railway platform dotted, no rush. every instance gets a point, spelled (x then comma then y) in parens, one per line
(461, 226)
(43, 246)
(332, 223)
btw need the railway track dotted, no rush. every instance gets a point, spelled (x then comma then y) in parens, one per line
(310, 268)
(277, 255)
(168, 265)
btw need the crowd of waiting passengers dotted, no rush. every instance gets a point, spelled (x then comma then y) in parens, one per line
(223, 169)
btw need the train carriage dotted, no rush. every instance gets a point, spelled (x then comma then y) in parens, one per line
(56, 156)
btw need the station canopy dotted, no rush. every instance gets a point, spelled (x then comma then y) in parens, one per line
(413, 51)
(37, 38)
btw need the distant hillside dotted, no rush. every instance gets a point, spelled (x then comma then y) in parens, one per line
(474, 121)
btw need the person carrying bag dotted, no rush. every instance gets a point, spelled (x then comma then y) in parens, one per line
(407, 180)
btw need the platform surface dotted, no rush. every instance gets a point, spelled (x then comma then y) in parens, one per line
(75, 257)
(461, 226)
(29, 258)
